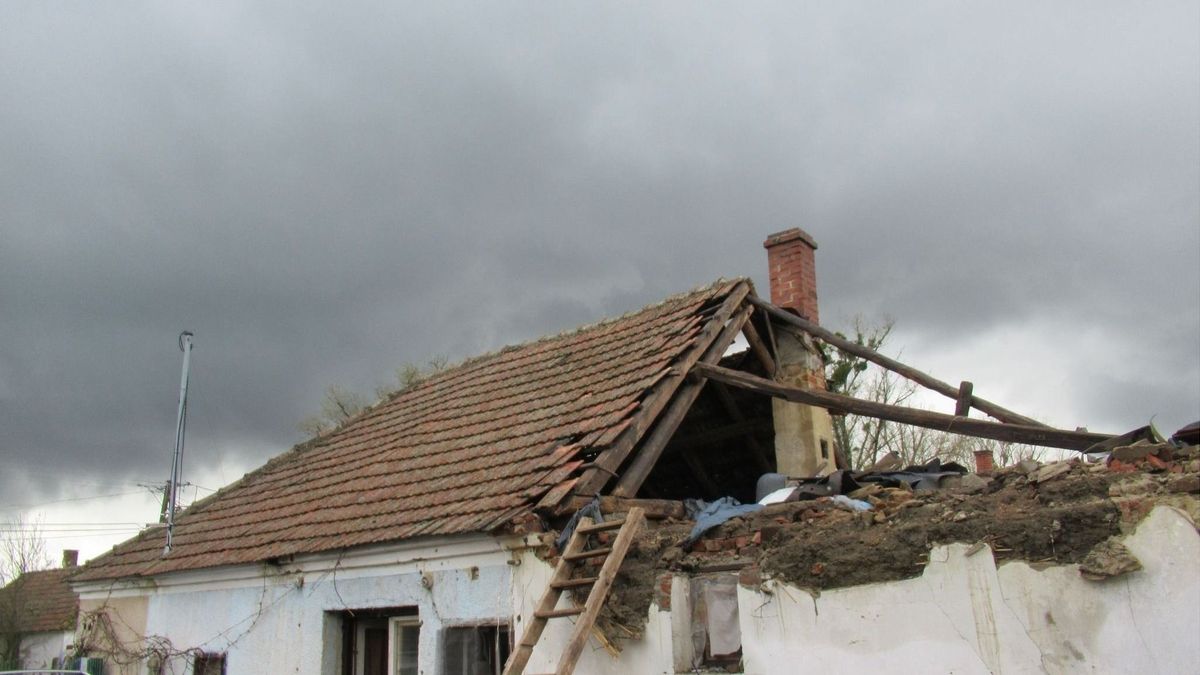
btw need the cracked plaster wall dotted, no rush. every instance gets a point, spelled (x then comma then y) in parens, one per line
(965, 615)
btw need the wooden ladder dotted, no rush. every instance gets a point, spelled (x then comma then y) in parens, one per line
(562, 580)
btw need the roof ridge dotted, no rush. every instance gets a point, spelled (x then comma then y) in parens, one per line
(478, 358)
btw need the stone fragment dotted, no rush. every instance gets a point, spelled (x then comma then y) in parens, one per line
(972, 483)
(1130, 453)
(1136, 484)
(1185, 484)
(1027, 466)
(1108, 559)
(1051, 471)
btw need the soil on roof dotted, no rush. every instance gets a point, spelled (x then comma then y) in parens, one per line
(817, 545)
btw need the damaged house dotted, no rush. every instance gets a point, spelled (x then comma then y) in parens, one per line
(532, 510)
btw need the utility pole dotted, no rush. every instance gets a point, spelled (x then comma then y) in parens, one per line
(185, 346)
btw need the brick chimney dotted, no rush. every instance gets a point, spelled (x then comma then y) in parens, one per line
(70, 558)
(793, 269)
(803, 434)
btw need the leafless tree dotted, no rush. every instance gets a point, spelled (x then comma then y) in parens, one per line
(22, 550)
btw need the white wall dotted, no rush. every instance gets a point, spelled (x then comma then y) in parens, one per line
(962, 615)
(39, 649)
(278, 622)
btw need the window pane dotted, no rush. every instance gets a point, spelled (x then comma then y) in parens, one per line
(404, 641)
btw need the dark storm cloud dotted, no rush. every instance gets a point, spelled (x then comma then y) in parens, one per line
(325, 193)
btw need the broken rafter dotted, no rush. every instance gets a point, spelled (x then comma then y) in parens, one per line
(759, 348)
(656, 441)
(607, 462)
(923, 379)
(965, 426)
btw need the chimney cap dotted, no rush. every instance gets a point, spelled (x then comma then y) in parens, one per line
(789, 235)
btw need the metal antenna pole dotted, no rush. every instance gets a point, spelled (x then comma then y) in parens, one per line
(185, 346)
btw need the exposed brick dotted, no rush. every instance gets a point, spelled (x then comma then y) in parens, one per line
(750, 576)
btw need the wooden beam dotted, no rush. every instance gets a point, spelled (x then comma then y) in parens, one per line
(656, 441)
(923, 379)
(720, 434)
(965, 426)
(656, 509)
(963, 407)
(760, 454)
(759, 348)
(609, 460)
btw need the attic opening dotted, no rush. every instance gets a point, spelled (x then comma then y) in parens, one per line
(723, 445)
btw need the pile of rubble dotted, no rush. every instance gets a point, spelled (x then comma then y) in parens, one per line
(1067, 512)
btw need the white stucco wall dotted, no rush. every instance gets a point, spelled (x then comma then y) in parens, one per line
(279, 622)
(38, 650)
(962, 615)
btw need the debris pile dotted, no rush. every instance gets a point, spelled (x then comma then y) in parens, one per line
(1066, 512)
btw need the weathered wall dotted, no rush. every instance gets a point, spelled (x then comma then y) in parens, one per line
(275, 620)
(962, 615)
(125, 624)
(38, 650)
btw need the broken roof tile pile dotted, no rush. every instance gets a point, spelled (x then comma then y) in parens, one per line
(464, 451)
(43, 601)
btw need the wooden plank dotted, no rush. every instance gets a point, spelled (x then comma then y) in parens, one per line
(654, 509)
(654, 444)
(965, 426)
(533, 632)
(963, 407)
(584, 555)
(759, 348)
(583, 626)
(923, 379)
(559, 613)
(593, 480)
(574, 583)
(603, 527)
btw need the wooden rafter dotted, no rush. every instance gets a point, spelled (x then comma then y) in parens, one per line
(966, 426)
(924, 379)
(655, 442)
(761, 456)
(606, 464)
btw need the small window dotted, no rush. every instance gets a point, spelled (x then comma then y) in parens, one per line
(379, 641)
(475, 650)
(208, 664)
(716, 633)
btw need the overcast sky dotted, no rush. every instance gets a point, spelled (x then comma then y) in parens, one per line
(325, 192)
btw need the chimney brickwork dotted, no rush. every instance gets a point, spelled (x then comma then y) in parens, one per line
(803, 434)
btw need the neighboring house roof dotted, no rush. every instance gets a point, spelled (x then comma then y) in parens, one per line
(466, 450)
(42, 601)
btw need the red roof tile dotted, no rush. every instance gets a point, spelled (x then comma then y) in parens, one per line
(464, 451)
(41, 601)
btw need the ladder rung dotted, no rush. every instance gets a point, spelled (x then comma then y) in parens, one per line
(602, 527)
(557, 613)
(574, 583)
(594, 553)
